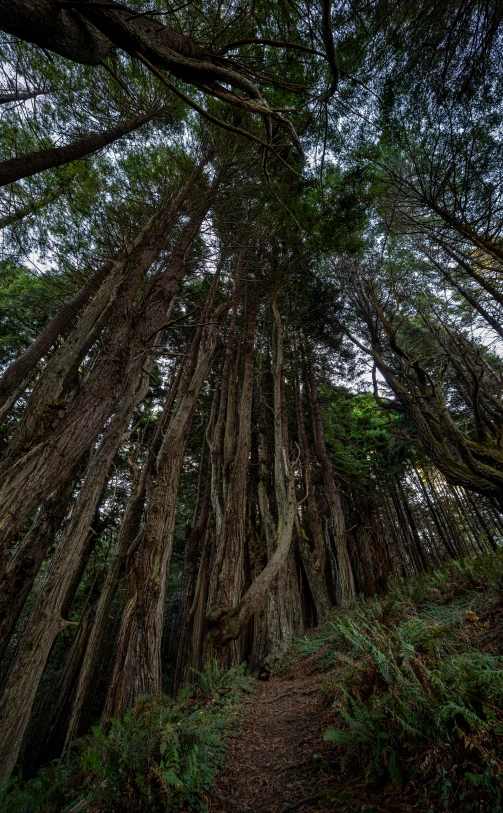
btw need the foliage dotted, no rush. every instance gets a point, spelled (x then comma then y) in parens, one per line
(357, 433)
(26, 302)
(162, 756)
(418, 684)
(222, 688)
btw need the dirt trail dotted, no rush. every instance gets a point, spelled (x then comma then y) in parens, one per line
(277, 759)
(279, 762)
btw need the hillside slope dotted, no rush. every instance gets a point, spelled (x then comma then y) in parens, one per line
(394, 706)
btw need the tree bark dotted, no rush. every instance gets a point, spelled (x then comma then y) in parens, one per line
(227, 571)
(442, 532)
(129, 530)
(20, 573)
(231, 623)
(24, 166)
(26, 362)
(33, 206)
(59, 30)
(476, 466)
(19, 95)
(278, 619)
(137, 669)
(482, 521)
(46, 621)
(101, 292)
(193, 557)
(337, 524)
(417, 545)
(314, 555)
(129, 343)
(45, 732)
(91, 33)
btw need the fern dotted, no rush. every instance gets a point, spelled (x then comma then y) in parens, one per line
(162, 756)
(338, 736)
(409, 678)
(395, 769)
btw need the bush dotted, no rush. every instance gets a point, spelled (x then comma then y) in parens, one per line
(162, 756)
(154, 759)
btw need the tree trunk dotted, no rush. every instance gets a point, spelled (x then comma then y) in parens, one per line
(137, 668)
(314, 554)
(278, 618)
(33, 206)
(90, 33)
(19, 95)
(482, 521)
(46, 728)
(231, 623)
(442, 531)
(130, 527)
(405, 531)
(20, 573)
(131, 332)
(46, 621)
(337, 524)
(103, 288)
(193, 557)
(394, 522)
(417, 545)
(23, 166)
(190, 653)
(227, 572)
(62, 31)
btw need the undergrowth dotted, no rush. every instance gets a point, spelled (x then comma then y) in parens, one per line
(161, 757)
(416, 682)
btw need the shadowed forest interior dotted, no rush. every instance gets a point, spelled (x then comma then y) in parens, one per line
(251, 402)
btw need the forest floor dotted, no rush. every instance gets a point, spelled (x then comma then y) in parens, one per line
(277, 758)
(279, 761)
